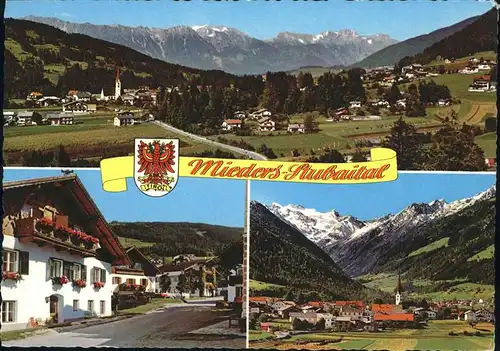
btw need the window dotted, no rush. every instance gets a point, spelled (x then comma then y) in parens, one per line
(144, 282)
(76, 305)
(90, 305)
(117, 280)
(239, 291)
(10, 261)
(102, 307)
(98, 275)
(75, 272)
(131, 281)
(56, 268)
(8, 311)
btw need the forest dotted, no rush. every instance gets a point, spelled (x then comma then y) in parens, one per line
(170, 239)
(479, 36)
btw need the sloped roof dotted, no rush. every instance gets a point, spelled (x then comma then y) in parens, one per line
(73, 184)
(181, 266)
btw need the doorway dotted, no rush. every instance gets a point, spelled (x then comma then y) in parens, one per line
(54, 308)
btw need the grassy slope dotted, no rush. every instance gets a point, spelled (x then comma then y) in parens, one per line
(443, 242)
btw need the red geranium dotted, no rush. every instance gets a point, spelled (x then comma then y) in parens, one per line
(80, 283)
(60, 280)
(11, 276)
(98, 285)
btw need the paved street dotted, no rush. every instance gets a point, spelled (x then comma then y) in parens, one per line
(169, 327)
(252, 155)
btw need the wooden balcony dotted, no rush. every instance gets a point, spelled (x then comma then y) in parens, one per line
(30, 230)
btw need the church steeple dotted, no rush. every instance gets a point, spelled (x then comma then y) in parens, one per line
(118, 84)
(399, 290)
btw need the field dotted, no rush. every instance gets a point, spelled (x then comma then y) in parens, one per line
(435, 336)
(489, 252)
(90, 136)
(460, 290)
(333, 135)
(128, 242)
(431, 247)
(488, 142)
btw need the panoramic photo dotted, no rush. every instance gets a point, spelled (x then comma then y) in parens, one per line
(402, 265)
(91, 268)
(86, 78)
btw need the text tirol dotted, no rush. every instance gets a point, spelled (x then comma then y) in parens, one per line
(287, 171)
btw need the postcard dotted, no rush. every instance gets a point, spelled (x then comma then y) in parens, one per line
(249, 174)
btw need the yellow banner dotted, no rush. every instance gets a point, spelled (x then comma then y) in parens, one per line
(381, 168)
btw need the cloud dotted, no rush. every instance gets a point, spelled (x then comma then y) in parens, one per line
(64, 14)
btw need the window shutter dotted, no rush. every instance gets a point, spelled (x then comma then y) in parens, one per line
(92, 275)
(103, 275)
(84, 272)
(50, 263)
(24, 262)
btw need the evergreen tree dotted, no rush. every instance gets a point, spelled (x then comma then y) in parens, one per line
(414, 107)
(394, 95)
(405, 141)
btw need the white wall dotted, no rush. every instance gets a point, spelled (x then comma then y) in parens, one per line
(151, 280)
(30, 293)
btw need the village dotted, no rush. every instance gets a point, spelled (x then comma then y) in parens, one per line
(279, 322)
(69, 270)
(351, 129)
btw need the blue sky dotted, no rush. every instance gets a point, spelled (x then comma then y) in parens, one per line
(264, 19)
(211, 201)
(369, 201)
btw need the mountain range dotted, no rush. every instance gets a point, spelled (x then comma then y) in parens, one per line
(434, 241)
(281, 254)
(228, 49)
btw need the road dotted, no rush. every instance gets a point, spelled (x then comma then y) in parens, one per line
(250, 154)
(169, 327)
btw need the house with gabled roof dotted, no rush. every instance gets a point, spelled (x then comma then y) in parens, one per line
(58, 251)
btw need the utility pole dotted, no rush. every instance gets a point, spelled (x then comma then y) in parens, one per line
(246, 253)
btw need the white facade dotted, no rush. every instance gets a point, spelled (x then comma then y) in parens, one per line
(118, 122)
(230, 125)
(118, 86)
(119, 278)
(470, 316)
(328, 317)
(33, 297)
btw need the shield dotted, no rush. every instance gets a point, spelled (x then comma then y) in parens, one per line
(156, 165)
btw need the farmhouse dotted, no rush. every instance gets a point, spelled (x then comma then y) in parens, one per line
(8, 117)
(351, 311)
(48, 101)
(293, 128)
(239, 115)
(55, 267)
(27, 118)
(481, 83)
(57, 119)
(484, 67)
(78, 107)
(261, 113)
(139, 275)
(171, 276)
(124, 119)
(231, 124)
(266, 124)
(76, 95)
(34, 95)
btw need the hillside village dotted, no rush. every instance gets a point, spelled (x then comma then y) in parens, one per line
(294, 321)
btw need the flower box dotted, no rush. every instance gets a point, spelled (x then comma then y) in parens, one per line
(11, 276)
(60, 280)
(79, 283)
(61, 234)
(98, 285)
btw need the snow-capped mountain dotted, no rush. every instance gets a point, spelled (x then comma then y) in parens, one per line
(228, 49)
(357, 246)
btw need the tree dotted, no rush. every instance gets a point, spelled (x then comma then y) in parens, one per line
(320, 325)
(405, 141)
(309, 122)
(454, 149)
(289, 296)
(330, 156)
(490, 124)
(165, 283)
(61, 158)
(359, 156)
(394, 95)
(183, 284)
(414, 107)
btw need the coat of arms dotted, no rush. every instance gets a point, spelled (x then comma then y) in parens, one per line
(156, 165)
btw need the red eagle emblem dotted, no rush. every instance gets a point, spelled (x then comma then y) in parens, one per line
(156, 160)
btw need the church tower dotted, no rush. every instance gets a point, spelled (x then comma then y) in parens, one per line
(399, 291)
(118, 84)
(102, 95)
